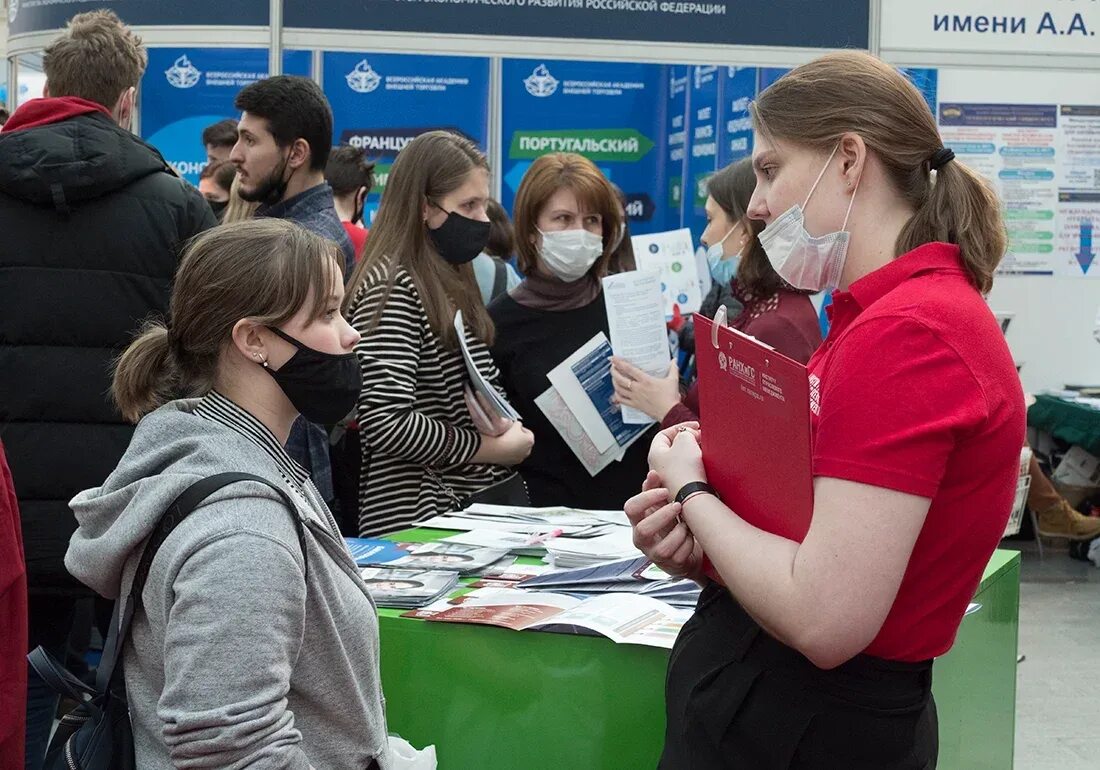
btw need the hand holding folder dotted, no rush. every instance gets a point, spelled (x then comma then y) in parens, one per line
(754, 409)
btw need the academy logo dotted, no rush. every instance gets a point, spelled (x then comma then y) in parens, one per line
(540, 82)
(13, 10)
(182, 73)
(363, 79)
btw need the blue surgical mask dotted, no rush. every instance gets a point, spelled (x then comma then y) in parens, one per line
(722, 270)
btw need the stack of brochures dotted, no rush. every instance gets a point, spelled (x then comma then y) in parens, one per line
(455, 557)
(548, 522)
(569, 552)
(623, 618)
(634, 575)
(407, 589)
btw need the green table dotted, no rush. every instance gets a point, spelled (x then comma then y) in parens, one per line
(494, 698)
(1066, 421)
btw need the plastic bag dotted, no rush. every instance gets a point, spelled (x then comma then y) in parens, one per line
(403, 756)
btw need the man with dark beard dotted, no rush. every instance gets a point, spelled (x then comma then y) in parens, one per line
(283, 143)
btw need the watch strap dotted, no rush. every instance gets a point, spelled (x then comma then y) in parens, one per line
(695, 488)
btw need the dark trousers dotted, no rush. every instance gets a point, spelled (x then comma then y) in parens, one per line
(50, 623)
(737, 698)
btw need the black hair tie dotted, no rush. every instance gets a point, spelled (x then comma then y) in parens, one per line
(941, 158)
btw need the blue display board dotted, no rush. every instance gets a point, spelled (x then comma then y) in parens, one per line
(804, 23)
(927, 82)
(36, 15)
(380, 102)
(738, 89)
(676, 151)
(184, 90)
(702, 154)
(609, 112)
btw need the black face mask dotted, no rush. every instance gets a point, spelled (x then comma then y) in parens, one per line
(459, 239)
(323, 387)
(218, 207)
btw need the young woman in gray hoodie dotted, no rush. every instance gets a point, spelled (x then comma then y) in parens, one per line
(254, 648)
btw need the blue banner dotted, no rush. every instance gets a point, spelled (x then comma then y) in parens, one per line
(801, 23)
(380, 102)
(608, 112)
(738, 89)
(927, 82)
(37, 15)
(187, 89)
(679, 81)
(702, 155)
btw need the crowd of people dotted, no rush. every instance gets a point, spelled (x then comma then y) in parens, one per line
(254, 323)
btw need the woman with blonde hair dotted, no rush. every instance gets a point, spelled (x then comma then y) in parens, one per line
(422, 452)
(567, 222)
(238, 209)
(819, 653)
(255, 641)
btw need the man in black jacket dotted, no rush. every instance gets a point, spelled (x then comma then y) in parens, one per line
(93, 221)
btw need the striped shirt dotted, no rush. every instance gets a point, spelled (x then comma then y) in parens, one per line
(417, 435)
(220, 409)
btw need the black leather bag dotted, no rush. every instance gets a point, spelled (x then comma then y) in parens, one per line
(96, 735)
(508, 491)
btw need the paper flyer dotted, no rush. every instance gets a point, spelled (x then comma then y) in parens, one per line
(672, 256)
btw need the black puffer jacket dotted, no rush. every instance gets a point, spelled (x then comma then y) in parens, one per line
(92, 220)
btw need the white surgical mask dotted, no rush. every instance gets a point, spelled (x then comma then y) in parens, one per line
(803, 261)
(570, 254)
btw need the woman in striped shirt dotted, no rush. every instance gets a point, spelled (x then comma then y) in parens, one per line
(421, 453)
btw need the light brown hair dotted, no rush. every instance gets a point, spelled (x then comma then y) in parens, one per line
(238, 209)
(429, 168)
(817, 103)
(731, 188)
(547, 175)
(96, 58)
(263, 270)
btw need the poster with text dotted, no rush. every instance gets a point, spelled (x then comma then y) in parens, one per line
(381, 102)
(608, 112)
(702, 154)
(679, 79)
(738, 89)
(184, 90)
(1013, 145)
(1078, 189)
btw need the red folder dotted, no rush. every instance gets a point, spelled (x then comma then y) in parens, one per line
(754, 407)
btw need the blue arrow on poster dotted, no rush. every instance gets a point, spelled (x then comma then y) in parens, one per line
(1085, 252)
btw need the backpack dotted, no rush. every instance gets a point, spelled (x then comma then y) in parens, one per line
(96, 735)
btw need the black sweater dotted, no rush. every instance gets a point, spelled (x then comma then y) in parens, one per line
(529, 343)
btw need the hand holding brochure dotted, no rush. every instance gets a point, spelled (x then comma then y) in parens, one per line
(636, 321)
(487, 396)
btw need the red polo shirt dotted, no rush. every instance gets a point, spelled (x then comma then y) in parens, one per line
(915, 390)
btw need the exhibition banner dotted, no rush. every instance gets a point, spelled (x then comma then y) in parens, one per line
(678, 78)
(381, 102)
(702, 152)
(609, 112)
(821, 23)
(184, 90)
(992, 26)
(37, 15)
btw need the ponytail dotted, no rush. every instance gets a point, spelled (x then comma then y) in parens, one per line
(144, 373)
(963, 209)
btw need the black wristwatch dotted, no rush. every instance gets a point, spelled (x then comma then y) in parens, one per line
(695, 488)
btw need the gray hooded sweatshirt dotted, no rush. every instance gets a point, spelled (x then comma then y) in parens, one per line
(238, 659)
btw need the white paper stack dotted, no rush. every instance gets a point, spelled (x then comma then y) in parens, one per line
(407, 589)
(567, 552)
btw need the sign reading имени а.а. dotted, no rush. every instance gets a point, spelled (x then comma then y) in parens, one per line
(1067, 27)
(36, 15)
(797, 23)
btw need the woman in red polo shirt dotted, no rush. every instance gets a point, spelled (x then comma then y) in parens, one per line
(819, 654)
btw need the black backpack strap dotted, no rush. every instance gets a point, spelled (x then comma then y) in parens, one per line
(179, 510)
(500, 278)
